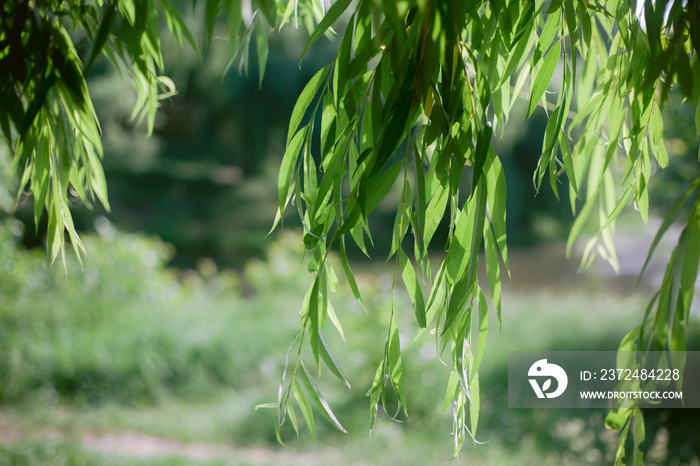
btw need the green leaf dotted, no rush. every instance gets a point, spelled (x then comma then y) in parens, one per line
(349, 274)
(212, 11)
(690, 259)
(483, 145)
(377, 189)
(331, 17)
(493, 269)
(481, 337)
(305, 98)
(234, 19)
(262, 49)
(496, 198)
(394, 363)
(40, 178)
(318, 399)
(544, 77)
(638, 434)
(287, 168)
(330, 359)
(342, 61)
(451, 392)
(617, 418)
(435, 212)
(458, 255)
(668, 221)
(547, 35)
(105, 30)
(305, 407)
(374, 394)
(579, 223)
(413, 288)
(401, 221)
(176, 25)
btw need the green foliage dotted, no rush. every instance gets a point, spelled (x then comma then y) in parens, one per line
(119, 328)
(27, 453)
(413, 98)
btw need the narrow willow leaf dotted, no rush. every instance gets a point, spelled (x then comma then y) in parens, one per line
(305, 98)
(668, 221)
(544, 77)
(458, 300)
(547, 35)
(340, 76)
(177, 26)
(377, 189)
(287, 168)
(393, 11)
(452, 390)
(401, 222)
(305, 407)
(292, 414)
(103, 32)
(329, 18)
(212, 11)
(334, 170)
(262, 49)
(476, 233)
(317, 398)
(458, 253)
(579, 223)
(41, 178)
(374, 394)
(98, 182)
(331, 360)
(392, 135)
(668, 299)
(480, 338)
(638, 434)
(394, 362)
(493, 269)
(496, 198)
(656, 130)
(418, 226)
(621, 440)
(413, 288)
(54, 230)
(483, 145)
(436, 297)
(336, 322)
(461, 353)
(435, 212)
(690, 259)
(617, 418)
(621, 204)
(474, 405)
(349, 274)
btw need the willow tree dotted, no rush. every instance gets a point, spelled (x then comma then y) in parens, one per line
(411, 101)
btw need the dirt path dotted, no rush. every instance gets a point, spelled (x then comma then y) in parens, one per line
(133, 444)
(144, 446)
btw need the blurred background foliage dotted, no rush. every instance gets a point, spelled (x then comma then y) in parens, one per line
(177, 323)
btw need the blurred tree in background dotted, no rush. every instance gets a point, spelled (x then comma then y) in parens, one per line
(415, 93)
